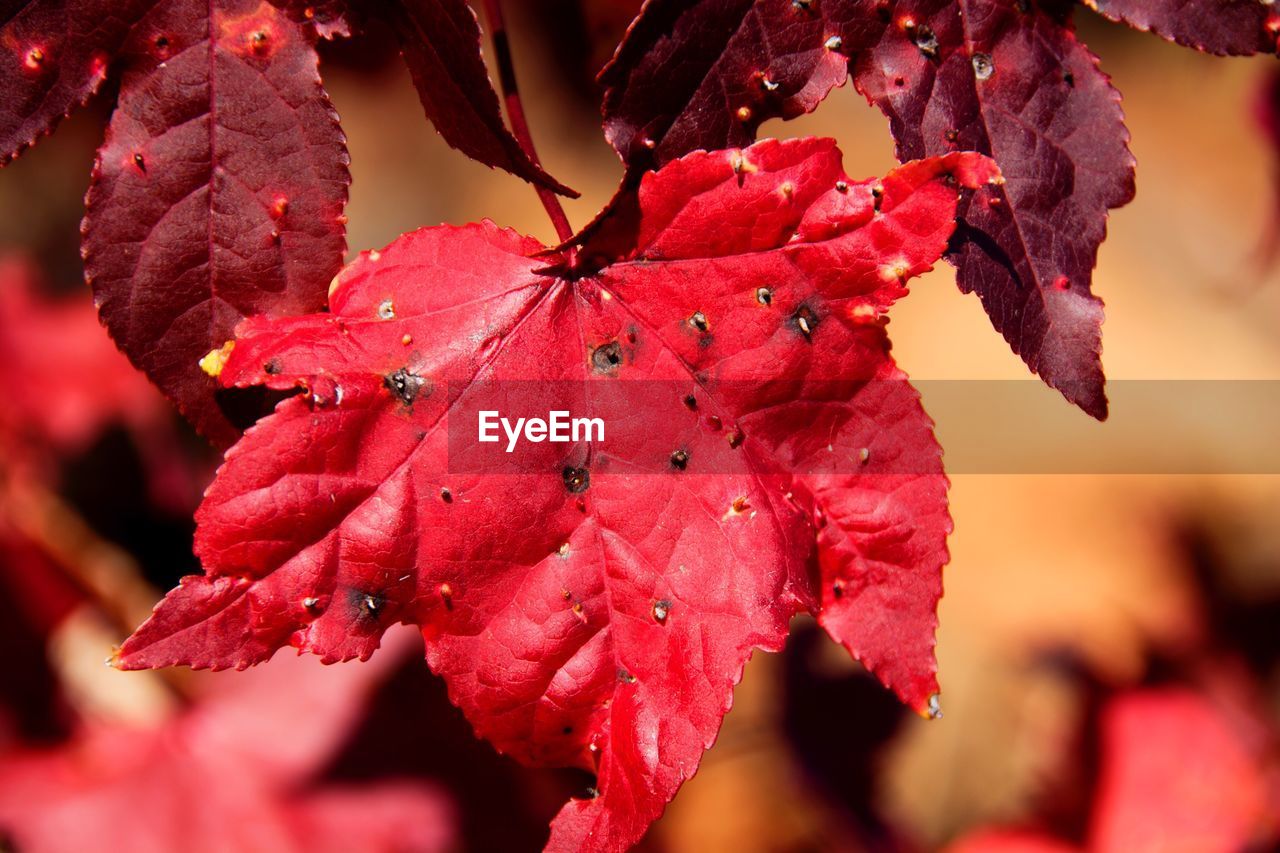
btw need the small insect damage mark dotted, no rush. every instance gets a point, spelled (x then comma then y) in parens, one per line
(806, 320)
(764, 295)
(257, 33)
(140, 162)
(690, 402)
(607, 358)
(368, 605)
(446, 595)
(738, 507)
(741, 166)
(406, 385)
(735, 438)
(446, 495)
(311, 603)
(576, 480)
(661, 610)
(926, 42)
(273, 367)
(699, 323)
(837, 590)
(258, 41)
(625, 676)
(983, 67)
(680, 460)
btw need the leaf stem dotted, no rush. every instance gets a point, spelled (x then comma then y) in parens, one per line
(515, 113)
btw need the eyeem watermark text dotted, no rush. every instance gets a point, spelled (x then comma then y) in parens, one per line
(558, 427)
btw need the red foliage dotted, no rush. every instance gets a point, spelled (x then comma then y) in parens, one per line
(233, 772)
(1006, 78)
(62, 379)
(1178, 772)
(594, 609)
(440, 40)
(588, 607)
(218, 193)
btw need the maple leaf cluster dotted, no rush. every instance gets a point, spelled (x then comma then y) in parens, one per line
(586, 608)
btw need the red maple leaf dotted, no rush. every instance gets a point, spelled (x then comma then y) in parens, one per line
(1006, 78)
(593, 606)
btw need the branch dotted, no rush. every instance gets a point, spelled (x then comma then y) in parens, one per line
(515, 113)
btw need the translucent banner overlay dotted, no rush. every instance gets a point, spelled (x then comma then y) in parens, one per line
(851, 427)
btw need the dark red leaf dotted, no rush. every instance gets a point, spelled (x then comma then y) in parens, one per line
(1001, 77)
(218, 192)
(440, 40)
(1020, 87)
(54, 54)
(708, 74)
(1234, 27)
(593, 607)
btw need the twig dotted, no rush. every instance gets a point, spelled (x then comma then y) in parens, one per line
(515, 112)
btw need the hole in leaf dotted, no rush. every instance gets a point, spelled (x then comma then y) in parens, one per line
(405, 385)
(606, 358)
(576, 480)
